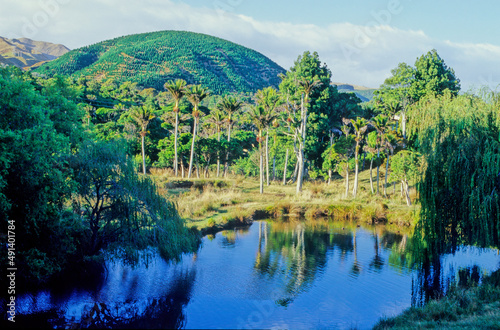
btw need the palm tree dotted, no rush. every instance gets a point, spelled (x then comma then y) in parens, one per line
(177, 89)
(261, 118)
(360, 125)
(268, 98)
(217, 119)
(143, 115)
(381, 125)
(230, 106)
(195, 95)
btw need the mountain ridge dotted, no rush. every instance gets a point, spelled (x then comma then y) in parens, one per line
(27, 53)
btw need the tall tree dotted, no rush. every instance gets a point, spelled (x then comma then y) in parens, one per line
(360, 125)
(261, 118)
(381, 125)
(230, 105)
(268, 98)
(142, 115)
(177, 90)
(407, 85)
(217, 119)
(195, 95)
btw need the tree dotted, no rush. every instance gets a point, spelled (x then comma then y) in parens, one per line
(360, 126)
(177, 89)
(268, 98)
(195, 95)
(405, 166)
(230, 105)
(459, 191)
(407, 85)
(261, 119)
(217, 119)
(142, 115)
(342, 150)
(325, 105)
(381, 125)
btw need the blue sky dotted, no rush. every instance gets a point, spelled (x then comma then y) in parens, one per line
(359, 40)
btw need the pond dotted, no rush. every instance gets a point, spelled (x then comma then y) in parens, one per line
(270, 275)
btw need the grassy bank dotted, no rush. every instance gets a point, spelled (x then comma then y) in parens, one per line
(219, 203)
(477, 307)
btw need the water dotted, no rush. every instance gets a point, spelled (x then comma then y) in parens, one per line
(270, 275)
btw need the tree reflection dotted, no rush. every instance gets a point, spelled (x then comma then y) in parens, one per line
(166, 312)
(297, 252)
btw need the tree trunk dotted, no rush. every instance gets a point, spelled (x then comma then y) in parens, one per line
(356, 159)
(191, 158)
(386, 175)
(329, 176)
(218, 154)
(143, 134)
(284, 169)
(176, 160)
(371, 176)
(347, 180)
(296, 171)
(226, 165)
(378, 171)
(407, 193)
(300, 171)
(267, 157)
(261, 169)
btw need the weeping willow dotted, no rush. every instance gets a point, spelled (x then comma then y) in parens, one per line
(460, 185)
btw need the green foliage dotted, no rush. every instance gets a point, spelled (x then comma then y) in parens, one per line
(150, 59)
(460, 190)
(407, 85)
(405, 165)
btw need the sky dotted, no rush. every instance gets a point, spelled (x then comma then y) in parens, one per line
(360, 41)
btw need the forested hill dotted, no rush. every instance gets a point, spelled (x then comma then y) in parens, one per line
(151, 59)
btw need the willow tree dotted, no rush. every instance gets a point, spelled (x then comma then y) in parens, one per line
(460, 190)
(177, 90)
(195, 95)
(143, 115)
(230, 105)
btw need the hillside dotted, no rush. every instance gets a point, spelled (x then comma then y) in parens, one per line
(365, 94)
(151, 59)
(26, 53)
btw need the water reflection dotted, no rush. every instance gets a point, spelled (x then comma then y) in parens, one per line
(297, 274)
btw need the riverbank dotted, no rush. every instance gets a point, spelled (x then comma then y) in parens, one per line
(216, 203)
(477, 307)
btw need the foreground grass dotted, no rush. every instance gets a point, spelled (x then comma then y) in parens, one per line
(219, 203)
(473, 308)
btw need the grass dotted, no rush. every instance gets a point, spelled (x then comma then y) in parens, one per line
(477, 307)
(218, 203)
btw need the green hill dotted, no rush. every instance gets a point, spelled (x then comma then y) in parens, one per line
(151, 59)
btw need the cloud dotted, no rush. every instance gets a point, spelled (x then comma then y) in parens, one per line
(358, 54)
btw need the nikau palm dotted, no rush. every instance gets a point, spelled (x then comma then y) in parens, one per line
(360, 125)
(195, 95)
(142, 116)
(230, 106)
(177, 89)
(262, 119)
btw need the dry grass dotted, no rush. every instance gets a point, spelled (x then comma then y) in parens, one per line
(238, 199)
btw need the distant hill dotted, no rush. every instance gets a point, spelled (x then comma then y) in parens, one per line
(151, 59)
(365, 94)
(26, 53)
